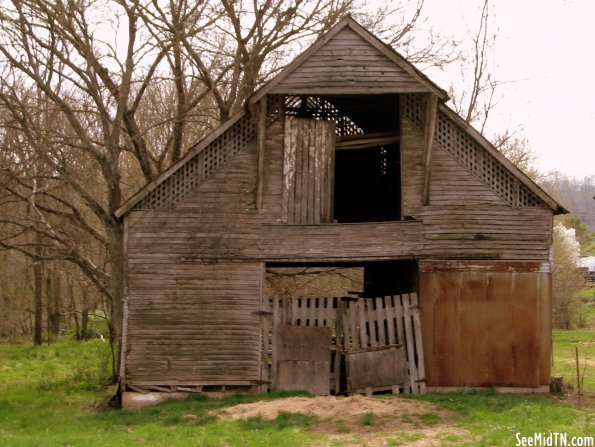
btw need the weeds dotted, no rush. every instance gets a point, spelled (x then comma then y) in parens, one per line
(368, 419)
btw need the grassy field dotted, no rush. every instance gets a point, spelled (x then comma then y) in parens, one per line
(56, 396)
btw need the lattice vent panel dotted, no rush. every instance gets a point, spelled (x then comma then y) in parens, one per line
(472, 155)
(414, 108)
(317, 108)
(207, 161)
(275, 108)
(202, 166)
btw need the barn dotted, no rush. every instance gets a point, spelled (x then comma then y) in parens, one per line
(348, 160)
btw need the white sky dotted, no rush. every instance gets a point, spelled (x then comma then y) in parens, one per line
(548, 48)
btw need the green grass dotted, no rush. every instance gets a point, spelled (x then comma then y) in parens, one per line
(494, 419)
(564, 344)
(55, 396)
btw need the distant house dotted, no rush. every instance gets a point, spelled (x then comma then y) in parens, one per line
(588, 264)
(348, 158)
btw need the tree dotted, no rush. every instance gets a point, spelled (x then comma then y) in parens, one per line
(476, 102)
(98, 97)
(568, 280)
(518, 150)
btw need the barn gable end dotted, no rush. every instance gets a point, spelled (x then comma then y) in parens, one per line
(348, 63)
(443, 215)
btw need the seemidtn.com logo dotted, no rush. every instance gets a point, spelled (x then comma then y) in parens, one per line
(555, 439)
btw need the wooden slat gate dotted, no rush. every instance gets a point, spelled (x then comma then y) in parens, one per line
(299, 321)
(382, 345)
(380, 339)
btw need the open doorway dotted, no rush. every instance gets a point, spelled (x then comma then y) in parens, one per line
(332, 322)
(367, 162)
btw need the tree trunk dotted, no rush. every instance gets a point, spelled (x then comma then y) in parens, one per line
(73, 310)
(85, 317)
(48, 305)
(57, 306)
(37, 285)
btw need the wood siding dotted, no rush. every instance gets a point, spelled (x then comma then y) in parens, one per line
(484, 325)
(191, 324)
(348, 64)
(195, 270)
(465, 218)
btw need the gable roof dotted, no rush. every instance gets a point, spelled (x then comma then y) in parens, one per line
(407, 79)
(349, 59)
(510, 166)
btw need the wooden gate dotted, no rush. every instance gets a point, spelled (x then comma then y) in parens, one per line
(382, 345)
(378, 338)
(302, 314)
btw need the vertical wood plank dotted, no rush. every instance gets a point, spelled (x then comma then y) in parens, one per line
(390, 319)
(261, 136)
(380, 318)
(429, 292)
(295, 310)
(356, 339)
(362, 324)
(409, 340)
(265, 341)
(124, 341)
(331, 177)
(317, 178)
(400, 319)
(338, 346)
(299, 172)
(372, 340)
(348, 327)
(304, 148)
(274, 341)
(419, 348)
(289, 170)
(431, 115)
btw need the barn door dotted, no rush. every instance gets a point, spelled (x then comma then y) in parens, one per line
(303, 359)
(308, 170)
(304, 354)
(382, 345)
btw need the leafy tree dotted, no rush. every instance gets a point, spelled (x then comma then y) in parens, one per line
(568, 280)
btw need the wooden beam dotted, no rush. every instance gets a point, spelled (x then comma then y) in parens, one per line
(365, 141)
(431, 115)
(261, 135)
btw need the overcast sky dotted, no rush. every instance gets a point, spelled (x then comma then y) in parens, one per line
(547, 48)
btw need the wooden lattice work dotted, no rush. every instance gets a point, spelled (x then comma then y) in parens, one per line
(314, 107)
(206, 162)
(469, 153)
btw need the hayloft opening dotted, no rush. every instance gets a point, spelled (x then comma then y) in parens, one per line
(335, 279)
(367, 173)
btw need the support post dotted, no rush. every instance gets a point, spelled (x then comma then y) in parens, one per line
(431, 116)
(261, 135)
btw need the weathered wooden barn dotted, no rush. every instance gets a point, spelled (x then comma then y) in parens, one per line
(349, 157)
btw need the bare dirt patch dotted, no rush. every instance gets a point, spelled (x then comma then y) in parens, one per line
(348, 420)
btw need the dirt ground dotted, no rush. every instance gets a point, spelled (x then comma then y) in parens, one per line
(358, 420)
